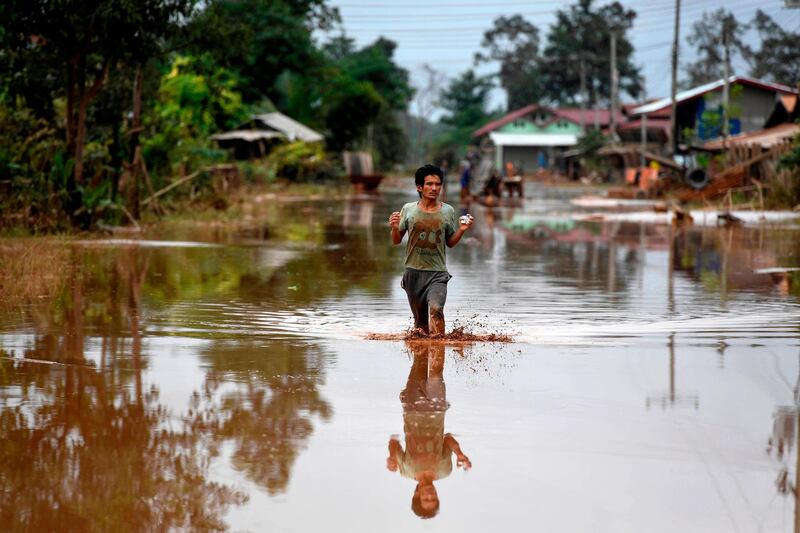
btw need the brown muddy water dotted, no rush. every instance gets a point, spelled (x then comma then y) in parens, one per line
(205, 378)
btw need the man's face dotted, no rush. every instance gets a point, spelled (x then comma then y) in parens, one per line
(431, 188)
(428, 497)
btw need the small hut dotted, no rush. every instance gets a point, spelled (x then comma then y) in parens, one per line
(258, 136)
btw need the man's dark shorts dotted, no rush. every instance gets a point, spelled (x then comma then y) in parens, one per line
(426, 291)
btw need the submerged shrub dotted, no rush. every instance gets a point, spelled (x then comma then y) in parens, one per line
(300, 161)
(785, 186)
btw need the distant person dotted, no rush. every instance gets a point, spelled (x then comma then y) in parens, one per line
(466, 178)
(430, 225)
(428, 453)
(542, 160)
(474, 158)
(445, 166)
(493, 185)
(510, 172)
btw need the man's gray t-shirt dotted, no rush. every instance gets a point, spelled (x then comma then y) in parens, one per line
(427, 235)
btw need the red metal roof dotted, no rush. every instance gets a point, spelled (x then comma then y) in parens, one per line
(566, 113)
(603, 116)
(654, 123)
(502, 121)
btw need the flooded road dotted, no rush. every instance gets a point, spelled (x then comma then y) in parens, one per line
(217, 377)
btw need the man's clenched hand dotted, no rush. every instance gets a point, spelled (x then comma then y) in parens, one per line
(394, 220)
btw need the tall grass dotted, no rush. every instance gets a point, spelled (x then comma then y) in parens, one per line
(32, 270)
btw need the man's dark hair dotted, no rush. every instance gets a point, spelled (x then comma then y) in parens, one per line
(427, 170)
(416, 503)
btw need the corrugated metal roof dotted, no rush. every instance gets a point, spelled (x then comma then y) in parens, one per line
(708, 87)
(502, 121)
(652, 124)
(289, 127)
(766, 138)
(601, 116)
(247, 135)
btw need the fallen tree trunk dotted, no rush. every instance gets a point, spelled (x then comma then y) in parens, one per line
(173, 185)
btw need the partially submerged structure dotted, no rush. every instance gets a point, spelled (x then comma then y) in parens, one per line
(358, 166)
(257, 137)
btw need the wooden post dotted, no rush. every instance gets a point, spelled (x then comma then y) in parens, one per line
(673, 122)
(726, 90)
(643, 159)
(614, 85)
(583, 93)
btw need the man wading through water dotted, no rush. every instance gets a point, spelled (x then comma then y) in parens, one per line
(430, 224)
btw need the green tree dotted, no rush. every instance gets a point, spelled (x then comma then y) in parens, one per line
(778, 58)
(195, 99)
(375, 65)
(514, 43)
(582, 34)
(86, 39)
(465, 101)
(259, 39)
(355, 95)
(350, 106)
(708, 37)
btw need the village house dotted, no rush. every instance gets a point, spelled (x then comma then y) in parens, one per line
(536, 137)
(754, 105)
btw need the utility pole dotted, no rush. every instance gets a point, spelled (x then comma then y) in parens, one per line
(614, 84)
(726, 89)
(583, 92)
(644, 140)
(673, 122)
(643, 131)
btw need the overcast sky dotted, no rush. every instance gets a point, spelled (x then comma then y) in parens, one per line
(446, 33)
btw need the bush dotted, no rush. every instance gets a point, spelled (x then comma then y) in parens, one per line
(785, 187)
(300, 161)
(195, 99)
(255, 171)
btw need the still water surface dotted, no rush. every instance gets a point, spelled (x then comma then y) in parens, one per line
(210, 378)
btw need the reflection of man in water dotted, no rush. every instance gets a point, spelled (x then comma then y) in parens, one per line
(430, 224)
(428, 452)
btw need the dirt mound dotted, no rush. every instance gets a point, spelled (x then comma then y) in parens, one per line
(457, 336)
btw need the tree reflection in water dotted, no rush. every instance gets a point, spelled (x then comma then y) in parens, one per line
(84, 446)
(264, 398)
(85, 443)
(427, 456)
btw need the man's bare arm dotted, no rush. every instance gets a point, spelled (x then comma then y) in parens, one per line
(395, 448)
(464, 224)
(461, 459)
(397, 233)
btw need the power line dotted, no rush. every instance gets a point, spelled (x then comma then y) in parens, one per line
(646, 10)
(439, 6)
(359, 30)
(649, 17)
(443, 45)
